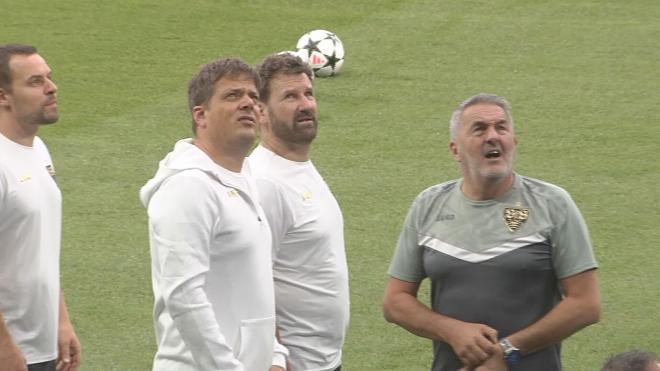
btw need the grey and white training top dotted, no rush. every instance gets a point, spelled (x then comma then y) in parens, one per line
(494, 262)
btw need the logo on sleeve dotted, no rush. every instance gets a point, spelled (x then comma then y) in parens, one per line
(51, 171)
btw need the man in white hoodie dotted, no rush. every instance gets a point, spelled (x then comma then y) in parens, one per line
(210, 240)
(309, 261)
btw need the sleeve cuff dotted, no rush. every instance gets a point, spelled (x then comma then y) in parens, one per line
(279, 360)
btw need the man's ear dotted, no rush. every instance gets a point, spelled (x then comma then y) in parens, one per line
(199, 115)
(4, 97)
(453, 148)
(264, 122)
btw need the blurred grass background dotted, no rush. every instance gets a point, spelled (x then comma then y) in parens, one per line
(581, 75)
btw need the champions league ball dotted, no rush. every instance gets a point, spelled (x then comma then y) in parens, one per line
(322, 51)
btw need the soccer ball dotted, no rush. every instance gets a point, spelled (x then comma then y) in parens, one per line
(323, 51)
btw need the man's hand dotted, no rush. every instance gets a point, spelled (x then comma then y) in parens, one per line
(11, 358)
(276, 368)
(69, 349)
(473, 343)
(496, 362)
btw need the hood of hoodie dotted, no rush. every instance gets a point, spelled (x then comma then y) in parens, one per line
(185, 156)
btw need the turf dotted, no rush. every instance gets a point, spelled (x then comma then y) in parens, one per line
(581, 76)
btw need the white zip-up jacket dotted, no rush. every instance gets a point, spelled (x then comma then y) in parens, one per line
(211, 266)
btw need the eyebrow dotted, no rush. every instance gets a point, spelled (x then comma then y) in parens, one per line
(289, 90)
(234, 91)
(483, 122)
(246, 91)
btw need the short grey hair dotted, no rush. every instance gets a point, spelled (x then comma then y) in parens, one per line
(630, 361)
(478, 99)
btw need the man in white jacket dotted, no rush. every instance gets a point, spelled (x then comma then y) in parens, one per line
(309, 260)
(210, 240)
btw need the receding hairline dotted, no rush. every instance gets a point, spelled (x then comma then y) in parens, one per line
(8, 52)
(15, 57)
(478, 99)
(276, 65)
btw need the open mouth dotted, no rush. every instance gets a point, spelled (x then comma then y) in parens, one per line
(305, 120)
(247, 118)
(493, 154)
(305, 117)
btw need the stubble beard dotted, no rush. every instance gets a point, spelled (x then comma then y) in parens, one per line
(50, 118)
(41, 118)
(500, 174)
(295, 133)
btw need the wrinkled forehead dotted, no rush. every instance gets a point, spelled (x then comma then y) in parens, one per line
(234, 79)
(283, 81)
(484, 113)
(23, 67)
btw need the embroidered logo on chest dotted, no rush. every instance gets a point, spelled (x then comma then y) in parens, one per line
(514, 217)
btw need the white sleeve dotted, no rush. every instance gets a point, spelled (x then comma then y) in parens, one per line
(280, 354)
(182, 216)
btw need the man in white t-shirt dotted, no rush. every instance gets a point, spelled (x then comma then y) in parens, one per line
(210, 241)
(35, 331)
(309, 260)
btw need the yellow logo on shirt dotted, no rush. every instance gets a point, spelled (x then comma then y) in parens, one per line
(307, 196)
(232, 193)
(514, 217)
(25, 178)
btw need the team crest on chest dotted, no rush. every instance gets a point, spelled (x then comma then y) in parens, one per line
(514, 217)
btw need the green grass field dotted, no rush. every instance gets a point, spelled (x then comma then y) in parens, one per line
(581, 75)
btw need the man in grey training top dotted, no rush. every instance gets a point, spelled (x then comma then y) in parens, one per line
(509, 257)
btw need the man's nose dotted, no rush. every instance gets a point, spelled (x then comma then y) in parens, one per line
(491, 133)
(248, 102)
(307, 104)
(51, 88)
